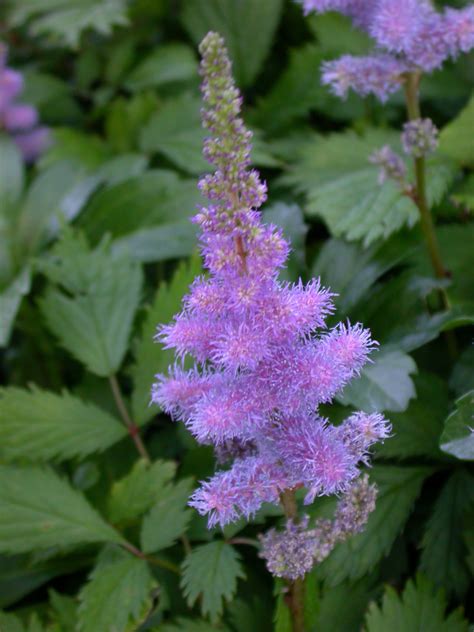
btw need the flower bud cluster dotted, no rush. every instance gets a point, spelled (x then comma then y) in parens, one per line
(410, 35)
(392, 166)
(292, 553)
(420, 137)
(264, 357)
(18, 119)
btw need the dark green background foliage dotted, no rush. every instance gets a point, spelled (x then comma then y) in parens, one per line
(96, 249)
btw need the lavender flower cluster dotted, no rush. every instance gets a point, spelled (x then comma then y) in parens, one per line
(419, 139)
(261, 369)
(292, 553)
(18, 119)
(410, 35)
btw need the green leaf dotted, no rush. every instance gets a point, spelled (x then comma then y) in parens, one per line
(354, 595)
(293, 96)
(247, 26)
(175, 131)
(158, 243)
(124, 119)
(35, 624)
(150, 358)
(398, 315)
(170, 63)
(41, 425)
(64, 20)
(10, 299)
(420, 608)
(282, 614)
(39, 510)
(444, 551)
(383, 385)
(117, 595)
(93, 316)
(136, 492)
(341, 186)
(415, 432)
(458, 435)
(211, 571)
(188, 625)
(455, 139)
(76, 146)
(121, 168)
(54, 99)
(462, 377)
(351, 270)
(398, 489)
(463, 193)
(56, 194)
(249, 611)
(455, 243)
(336, 35)
(20, 575)
(65, 610)
(160, 199)
(168, 518)
(11, 173)
(10, 623)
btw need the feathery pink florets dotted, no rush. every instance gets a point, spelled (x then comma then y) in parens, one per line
(376, 74)
(410, 35)
(459, 30)
(263, 366)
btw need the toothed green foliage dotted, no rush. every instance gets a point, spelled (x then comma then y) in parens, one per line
(420, 607)
(97, 250)
(211, 572)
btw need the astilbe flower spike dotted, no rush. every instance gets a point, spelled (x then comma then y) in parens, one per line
(262, 367)
(410, 36)
(18, 119)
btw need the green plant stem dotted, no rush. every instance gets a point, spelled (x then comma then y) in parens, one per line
(132, 427)
(427, 225)
(245, 541)
(296, 589)
(149, 558)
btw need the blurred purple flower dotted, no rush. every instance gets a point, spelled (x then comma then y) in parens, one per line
(19, 119)
(377, 74)
(410, 35)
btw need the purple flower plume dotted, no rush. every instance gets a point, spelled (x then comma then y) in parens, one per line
(376, 74)
(264, 357)
(18, 119)
(410, 35)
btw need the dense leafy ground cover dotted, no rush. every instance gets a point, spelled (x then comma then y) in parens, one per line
(96, 248)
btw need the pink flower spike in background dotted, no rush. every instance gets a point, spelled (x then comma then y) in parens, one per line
(409, 36)
(18, 119)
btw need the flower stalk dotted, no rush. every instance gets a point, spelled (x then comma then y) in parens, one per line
(427, 224)
(296, 587)
(132, 427)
